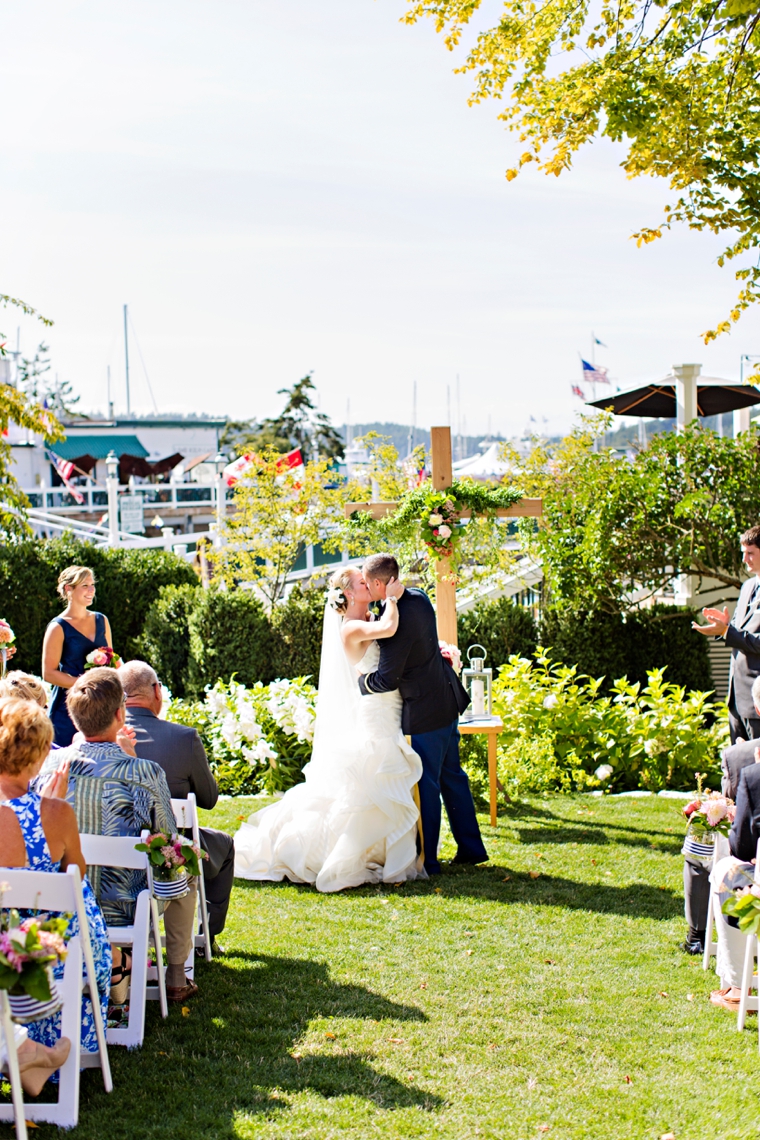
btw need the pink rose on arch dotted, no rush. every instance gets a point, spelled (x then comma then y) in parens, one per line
(444, 531)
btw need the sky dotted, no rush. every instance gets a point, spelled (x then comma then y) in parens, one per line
(275, 189)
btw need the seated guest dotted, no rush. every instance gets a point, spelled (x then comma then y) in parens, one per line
(114, 793)
(696, 876)
(40, 834)
(24, 687)
(178, 750)
(736, 870)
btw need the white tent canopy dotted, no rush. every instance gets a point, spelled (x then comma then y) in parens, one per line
(485, 466)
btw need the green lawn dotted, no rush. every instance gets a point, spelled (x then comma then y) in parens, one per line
(485, 1003)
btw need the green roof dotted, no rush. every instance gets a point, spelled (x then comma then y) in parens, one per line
(98, 446)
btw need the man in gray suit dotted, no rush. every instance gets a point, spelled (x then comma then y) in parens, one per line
(177, 749)
(742, 633)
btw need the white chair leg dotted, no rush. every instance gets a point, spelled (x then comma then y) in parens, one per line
(17, 1092)
(747, 972)
(160, 973)
(708, 932)
(203, 916)
(67, 1113)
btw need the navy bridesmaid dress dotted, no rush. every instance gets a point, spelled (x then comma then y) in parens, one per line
(73, 655)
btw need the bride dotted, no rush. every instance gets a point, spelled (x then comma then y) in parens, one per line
(354, 819)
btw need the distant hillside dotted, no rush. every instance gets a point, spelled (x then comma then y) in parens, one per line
(399, 435)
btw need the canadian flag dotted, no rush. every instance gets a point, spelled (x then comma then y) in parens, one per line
(290, 464)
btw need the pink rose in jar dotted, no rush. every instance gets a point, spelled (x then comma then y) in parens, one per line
(715, 811)
(695, 805)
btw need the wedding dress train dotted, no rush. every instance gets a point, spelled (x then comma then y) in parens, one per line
(354, 819)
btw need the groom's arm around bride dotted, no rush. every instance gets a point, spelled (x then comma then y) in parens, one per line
(433, 697)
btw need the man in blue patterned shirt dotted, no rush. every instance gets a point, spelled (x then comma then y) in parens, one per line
(126, 796)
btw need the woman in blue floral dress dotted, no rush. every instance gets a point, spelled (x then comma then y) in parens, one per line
(40, 834)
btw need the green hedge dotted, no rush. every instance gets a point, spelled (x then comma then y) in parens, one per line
(229, 634)
(128, 583)
(501, 627)
(195, 637)
(613, 645)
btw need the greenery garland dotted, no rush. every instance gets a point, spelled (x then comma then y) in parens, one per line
(432, 515)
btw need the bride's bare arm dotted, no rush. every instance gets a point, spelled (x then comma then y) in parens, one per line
(355, 632)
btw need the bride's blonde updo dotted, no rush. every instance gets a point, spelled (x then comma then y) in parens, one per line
(339, 583)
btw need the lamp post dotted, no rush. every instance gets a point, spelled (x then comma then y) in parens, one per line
(112, 485)
(220, 462)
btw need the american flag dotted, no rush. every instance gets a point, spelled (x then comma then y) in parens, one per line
(66, 469)
(290, 464)
(594, 373)
(578, 391)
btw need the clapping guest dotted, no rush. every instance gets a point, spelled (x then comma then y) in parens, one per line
(133, 795)
(177, 748)
(40, 834)
(68, 640)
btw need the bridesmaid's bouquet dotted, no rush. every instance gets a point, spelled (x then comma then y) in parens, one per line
(102, 658)
(7, 637)
(451, 654)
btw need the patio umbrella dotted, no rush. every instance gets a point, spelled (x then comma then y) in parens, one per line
(659, 400)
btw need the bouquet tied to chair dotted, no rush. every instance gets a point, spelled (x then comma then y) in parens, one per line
(710, 814)
(29, 949)
(173, 859)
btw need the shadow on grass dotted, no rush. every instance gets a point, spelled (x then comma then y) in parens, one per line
(598, 837)
(637, 900)
(238, 1052)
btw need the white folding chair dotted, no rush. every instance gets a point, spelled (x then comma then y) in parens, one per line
(119, 851)
(49, 891)
(748, 1002)
(711, 944)
(186, 816)
(17, 1093)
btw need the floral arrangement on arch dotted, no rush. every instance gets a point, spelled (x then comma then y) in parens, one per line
(29, 950)
(257, 739)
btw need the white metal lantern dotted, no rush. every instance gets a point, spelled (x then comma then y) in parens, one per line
(477, 680)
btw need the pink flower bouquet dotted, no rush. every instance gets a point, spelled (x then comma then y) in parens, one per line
(451, 654)
(28, 951)
(7, 636)
(710, 813)
(102, 657)
(171, 855)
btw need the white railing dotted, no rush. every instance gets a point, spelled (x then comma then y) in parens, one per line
(170, 496)
(43, 522)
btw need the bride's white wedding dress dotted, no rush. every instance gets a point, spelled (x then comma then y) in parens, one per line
(354, 819)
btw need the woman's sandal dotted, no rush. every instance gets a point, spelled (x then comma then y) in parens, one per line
(37, 1065)
(120, 976)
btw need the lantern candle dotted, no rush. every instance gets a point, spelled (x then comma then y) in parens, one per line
(478, 697)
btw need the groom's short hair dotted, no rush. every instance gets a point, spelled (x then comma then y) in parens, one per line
(382, 566)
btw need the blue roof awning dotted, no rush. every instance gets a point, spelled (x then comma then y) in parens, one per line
(98, 446)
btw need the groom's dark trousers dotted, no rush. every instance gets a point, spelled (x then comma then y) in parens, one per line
(443, 778)
(433, 697)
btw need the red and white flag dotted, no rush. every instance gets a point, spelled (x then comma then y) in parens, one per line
(66, 469)
(290, 464)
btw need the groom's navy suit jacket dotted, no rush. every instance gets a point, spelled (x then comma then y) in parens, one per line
(411, 662)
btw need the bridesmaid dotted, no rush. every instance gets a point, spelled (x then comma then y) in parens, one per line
(68, 640)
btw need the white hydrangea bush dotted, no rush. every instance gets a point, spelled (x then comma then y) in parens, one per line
(257, 739)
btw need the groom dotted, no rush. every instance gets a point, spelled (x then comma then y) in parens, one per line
(433, 696)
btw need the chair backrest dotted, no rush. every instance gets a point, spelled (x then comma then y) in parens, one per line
(113, 851)
(186, 814)
(41, 890)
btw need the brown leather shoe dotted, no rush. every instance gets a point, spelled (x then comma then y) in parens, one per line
(181, 993)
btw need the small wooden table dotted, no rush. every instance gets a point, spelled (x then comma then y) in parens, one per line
(490, 726)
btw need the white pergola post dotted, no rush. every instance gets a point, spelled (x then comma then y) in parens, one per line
(741, 420)
(686, 393)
